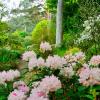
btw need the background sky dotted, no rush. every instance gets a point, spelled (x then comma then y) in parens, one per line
(11, 3)
(15, 3)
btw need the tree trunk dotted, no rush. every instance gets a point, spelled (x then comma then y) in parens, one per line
(59, 23)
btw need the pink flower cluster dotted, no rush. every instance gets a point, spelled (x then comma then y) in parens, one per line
(55, 62)
(17, 95)
(34, 62)
(50, 83)
(80, 56)
(45, 46)
(7, 76)
(77, 57)
(70, 58)
(21, 86)
(67, 72)
(38, 94)
(95, 60)
(89, 76)
(40, 62)
(20, 92)
(28, 55)
(47, 84)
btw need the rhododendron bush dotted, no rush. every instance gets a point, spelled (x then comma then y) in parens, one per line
(58, 78)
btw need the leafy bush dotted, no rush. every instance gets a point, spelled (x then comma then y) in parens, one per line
(61, 78)
(73, 50)
(60, 50)
(5, 90)
(3, 40)
(27, 42)
(8, 59)
(68, 39)
(90, 36)
(3, 27)
(44, 31)
(8, 65)
(54, 77)
(8, 55)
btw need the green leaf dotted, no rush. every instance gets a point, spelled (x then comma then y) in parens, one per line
(89, 97)
(97, 87)
(3, 98)
(81, 88)
(59, 92)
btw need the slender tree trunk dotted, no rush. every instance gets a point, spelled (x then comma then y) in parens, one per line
(49, 23)
(59, 22)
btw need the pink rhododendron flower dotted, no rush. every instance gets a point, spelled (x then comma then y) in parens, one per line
(95, 60)
(45, 46)
(67, 71)
(96, 73)
(84, 74)
(32, 63)
(55, 62)
(16, 73)
(34, 97)
(2, 79)
(50, 83)
(77, 57)
(16, 84)
(11, 74)
(80, 56)
(21, 86)
(70, 58)
(17, 95)
(7, 76)
(89, 76)
(28, 55)
(40, 62)
(38, 94)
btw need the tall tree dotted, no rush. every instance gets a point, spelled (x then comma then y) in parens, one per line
(70, 18)
(3, 11)
(59, 22)
(26, 16)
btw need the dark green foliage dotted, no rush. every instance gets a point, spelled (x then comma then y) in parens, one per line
(68, 40)
(8, 59)
(5, 90)
(3, 29)
(60, 50)
(8, 55)
(3, 40)
(89, 8)
(71, 17)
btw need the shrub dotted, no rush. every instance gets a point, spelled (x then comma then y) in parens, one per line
(61, 78)
(90, 37)
(8, 55)
(69, 39)
(55, 77)
(73, 50)
(43, 32)
(8, 59)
